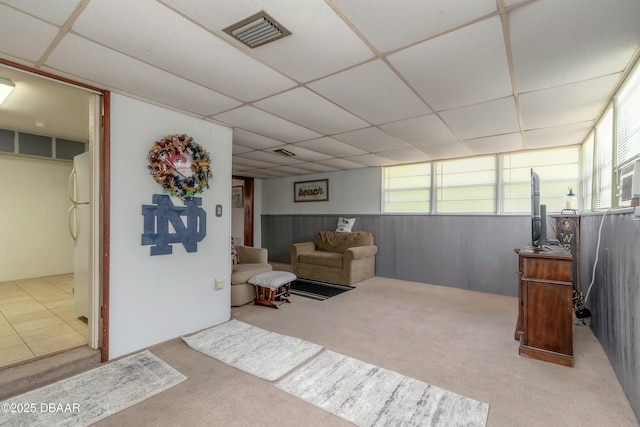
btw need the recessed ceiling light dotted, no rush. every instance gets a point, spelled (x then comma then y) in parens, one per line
(40, 124)
(6, 86)
(257, 30)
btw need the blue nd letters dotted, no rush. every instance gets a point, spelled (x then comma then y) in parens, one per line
(156, 224)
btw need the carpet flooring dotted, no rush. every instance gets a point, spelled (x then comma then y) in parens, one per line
(86, 398)
(368, 395)
(317, 290)
(262, 353)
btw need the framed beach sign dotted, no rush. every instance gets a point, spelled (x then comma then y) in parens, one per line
(311, 191)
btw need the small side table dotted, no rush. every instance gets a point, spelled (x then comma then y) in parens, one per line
(272, 288)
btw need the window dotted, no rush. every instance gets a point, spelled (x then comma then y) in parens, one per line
(604, 158)
(627, 135)
(628, 119)
(466, 185)
(35, 145)
(558, 168)
(407, 188)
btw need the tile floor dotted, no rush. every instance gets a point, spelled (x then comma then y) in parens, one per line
(37, 317)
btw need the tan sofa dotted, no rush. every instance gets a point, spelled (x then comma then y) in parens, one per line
(335, 257)
(252, 261)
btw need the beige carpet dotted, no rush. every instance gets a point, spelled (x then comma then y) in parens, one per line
(459, 340)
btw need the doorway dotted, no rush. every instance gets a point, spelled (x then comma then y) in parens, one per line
(47, 321)
(242, 209)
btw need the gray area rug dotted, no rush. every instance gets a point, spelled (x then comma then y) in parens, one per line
(86, 398)
(265, 354)
(368, 395)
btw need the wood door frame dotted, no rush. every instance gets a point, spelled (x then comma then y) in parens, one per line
(247, 195)
(105, 188)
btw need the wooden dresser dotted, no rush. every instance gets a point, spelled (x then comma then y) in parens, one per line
(545, 314)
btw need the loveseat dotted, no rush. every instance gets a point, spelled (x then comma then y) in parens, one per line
(335, 257)
(252, 261)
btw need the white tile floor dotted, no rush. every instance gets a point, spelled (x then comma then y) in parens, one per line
(37, 317)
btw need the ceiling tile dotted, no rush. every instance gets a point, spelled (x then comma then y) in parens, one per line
(240, 160)
(447, 151)
(140, 79)
(294, 170)
(421, 131)
(193, 52)
(372, 91)
(340, 164)
(372, 139)
(559, 42)
(405, 155)
(456, 69)
(566, 104)
(307, 109)
(331, 147)
(389, 25)
(263, 123)
(305, 155)
(320, 43)
(371, 160)
(558, 136)
(268, 157)
(496, 144)
(316, 167)
(34, 35)
(253, 140)
(54, 11)
(484, 119)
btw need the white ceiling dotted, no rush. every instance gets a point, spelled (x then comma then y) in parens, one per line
(358, 83)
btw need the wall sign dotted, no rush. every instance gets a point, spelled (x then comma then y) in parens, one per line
(158, 217)
(311, 191)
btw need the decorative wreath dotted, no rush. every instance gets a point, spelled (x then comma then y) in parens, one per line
(180, 176)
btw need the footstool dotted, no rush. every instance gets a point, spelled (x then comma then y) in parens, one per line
(272, 288)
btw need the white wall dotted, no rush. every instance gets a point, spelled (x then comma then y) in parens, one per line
(34, 236)
(156, 298)
(355, 191)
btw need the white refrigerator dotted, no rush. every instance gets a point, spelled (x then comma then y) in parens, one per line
(79, 217)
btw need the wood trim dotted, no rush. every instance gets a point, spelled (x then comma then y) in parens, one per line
(248, 195)
(35, 71)
(105, 167)
(105, 226)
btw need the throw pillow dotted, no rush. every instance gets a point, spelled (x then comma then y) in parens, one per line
(345, 224)
(235, 259)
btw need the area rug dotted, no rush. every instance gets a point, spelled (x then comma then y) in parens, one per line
(367, 395)
(317, 290)
(86, 398)
(262, 353)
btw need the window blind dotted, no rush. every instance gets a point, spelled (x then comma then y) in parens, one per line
(604, 159)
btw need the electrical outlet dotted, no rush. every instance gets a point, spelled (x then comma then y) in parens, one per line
(219, 284)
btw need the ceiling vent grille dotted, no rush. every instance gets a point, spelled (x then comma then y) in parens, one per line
(284, 152)
(257, 30)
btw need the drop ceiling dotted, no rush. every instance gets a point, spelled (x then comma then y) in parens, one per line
(358, 83)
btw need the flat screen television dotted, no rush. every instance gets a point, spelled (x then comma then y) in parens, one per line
(538, 215)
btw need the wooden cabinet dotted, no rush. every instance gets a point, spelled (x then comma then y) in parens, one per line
(545, 314)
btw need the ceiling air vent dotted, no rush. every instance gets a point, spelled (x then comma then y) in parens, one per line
(257, 30)
(284, 152)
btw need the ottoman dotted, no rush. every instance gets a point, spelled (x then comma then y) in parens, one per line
(272, 288)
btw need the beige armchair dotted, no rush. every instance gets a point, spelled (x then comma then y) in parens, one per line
(335, 257)
(252, 261)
